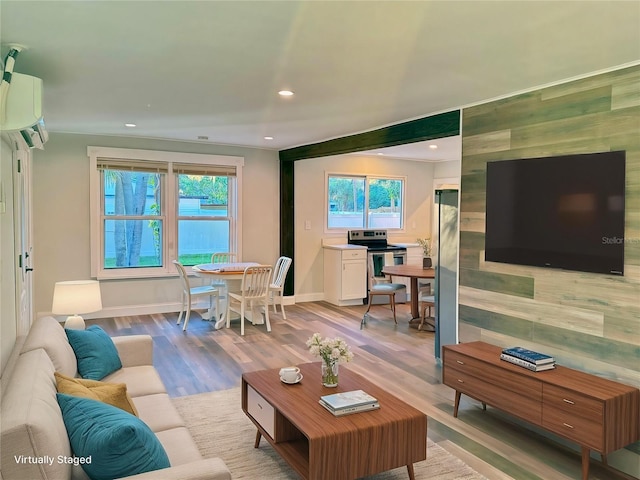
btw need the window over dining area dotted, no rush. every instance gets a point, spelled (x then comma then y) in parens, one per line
(361, 201)
(149, 208)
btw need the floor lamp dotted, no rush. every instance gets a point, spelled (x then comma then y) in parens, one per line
(76, 297)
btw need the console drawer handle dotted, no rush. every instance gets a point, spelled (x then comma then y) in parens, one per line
(460, 381)
(259, 406)
(568, 401)
(567, 425)
(460, 362)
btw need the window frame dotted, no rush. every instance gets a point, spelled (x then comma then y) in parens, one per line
(367, 178)
(230, 217)
(169, 206)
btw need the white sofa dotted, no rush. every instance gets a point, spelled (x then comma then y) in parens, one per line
(32, 423)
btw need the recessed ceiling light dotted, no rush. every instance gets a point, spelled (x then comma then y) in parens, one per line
(380, 153)
(285, 93)
(433, 146)
(268, 138)
(130, 125)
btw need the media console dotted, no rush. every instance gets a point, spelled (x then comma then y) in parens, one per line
(596, 413)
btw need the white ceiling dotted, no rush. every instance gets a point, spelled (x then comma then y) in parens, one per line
(445, 149)
(183, 69)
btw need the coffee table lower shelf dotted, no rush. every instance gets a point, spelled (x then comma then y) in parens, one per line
(320, 446)
(295, 452)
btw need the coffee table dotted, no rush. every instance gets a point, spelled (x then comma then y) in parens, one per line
(321, 446)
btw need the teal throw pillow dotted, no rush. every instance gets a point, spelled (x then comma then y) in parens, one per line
(110, 442)
(96, 354)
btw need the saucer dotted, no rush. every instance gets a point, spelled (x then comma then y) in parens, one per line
(291, 383)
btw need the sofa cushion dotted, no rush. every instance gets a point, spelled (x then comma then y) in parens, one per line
(179, 445)
(96, 354)
(112, 393)
(47, 333)
(117, 443)
(32, 426)
(143, 380)
(158, 412)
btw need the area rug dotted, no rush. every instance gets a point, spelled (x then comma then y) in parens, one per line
(221, 429)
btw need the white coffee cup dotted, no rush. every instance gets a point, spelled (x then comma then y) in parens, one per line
(289, 374)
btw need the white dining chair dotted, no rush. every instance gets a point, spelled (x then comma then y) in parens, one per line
(189, 293)
(253, 292)
(221, 285)
(224, 257)
(277, 283)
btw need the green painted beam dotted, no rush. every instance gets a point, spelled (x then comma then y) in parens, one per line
(428, 128)
(287, 218)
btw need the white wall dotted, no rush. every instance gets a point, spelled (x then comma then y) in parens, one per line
(450, 169)
(61, 217)
(8, 323)
(310, 206)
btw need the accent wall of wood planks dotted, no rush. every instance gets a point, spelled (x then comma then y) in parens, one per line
(590, 322)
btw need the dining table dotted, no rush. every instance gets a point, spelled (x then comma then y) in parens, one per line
(413, 272)
(227, 275)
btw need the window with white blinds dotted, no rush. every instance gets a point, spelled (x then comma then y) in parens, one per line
(149, 208)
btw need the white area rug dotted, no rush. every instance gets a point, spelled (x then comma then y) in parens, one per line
(221, 429)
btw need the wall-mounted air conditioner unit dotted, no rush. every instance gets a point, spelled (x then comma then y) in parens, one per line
(23, 111)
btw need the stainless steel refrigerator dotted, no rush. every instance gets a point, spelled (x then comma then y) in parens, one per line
(446, 281)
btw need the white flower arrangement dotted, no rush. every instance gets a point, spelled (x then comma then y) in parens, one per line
(425, 243)
(331, 350)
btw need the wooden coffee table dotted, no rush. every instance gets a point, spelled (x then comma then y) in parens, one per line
(321, 446)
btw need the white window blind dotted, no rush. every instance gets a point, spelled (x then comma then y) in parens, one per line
(133, 165)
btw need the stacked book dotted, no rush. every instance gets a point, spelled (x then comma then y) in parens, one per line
(345, 403)
(534, 361)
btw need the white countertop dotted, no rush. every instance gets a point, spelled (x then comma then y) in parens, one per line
(345, 246)
(404, 245)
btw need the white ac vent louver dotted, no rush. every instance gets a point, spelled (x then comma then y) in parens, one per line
(23, 111)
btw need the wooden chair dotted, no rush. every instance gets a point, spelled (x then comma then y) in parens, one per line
(253, 292)
(189, 293)
(277, 283)
(380, 288)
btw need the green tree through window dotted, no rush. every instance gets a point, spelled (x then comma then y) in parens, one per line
(347, 195)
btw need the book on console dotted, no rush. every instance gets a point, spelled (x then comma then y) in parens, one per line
(529, 355)
(348, 410)
(523, 363)
(350, 399)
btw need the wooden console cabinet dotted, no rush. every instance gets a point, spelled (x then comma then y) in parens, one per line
(596, 413)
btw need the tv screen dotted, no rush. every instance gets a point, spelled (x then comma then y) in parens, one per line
(560, 212)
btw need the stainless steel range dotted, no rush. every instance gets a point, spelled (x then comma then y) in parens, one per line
(380, 253)
(374, 240)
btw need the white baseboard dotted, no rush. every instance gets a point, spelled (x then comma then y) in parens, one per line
(126, 310)
(310, 297)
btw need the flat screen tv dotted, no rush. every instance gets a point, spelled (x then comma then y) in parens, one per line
(560, 212)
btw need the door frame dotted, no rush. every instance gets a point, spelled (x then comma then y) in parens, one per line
(23, 237)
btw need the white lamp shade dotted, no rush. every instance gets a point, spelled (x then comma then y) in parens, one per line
(76, 297)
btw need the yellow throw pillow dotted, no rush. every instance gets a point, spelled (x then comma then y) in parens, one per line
(112, 393)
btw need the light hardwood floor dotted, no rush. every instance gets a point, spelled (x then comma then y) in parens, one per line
(398, 358)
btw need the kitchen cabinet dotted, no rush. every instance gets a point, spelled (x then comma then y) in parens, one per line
(345, 274)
